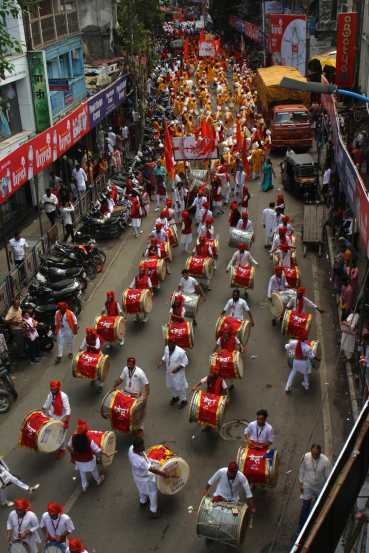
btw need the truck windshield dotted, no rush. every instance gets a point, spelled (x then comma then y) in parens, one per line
(290, 117)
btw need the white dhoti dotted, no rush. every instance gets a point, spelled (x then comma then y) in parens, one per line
(147, 491)
(84, 468)
(348, 336)
(12, 480)
(299, 366)
(65, 342)
(136, 224)
(186, 241)
(177, 384)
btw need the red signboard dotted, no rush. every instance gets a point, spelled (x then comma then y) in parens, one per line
(41, 151)
(347, 27)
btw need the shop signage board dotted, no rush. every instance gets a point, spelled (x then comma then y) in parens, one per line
(41, 151)
(287, 42)
(37, 74)
(106, 101)
(347, 28)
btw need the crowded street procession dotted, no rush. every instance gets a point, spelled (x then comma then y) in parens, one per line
(189, 389)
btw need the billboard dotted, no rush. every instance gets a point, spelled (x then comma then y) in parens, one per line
(187, 148)
(287, 42)
(347, 28)
(37, 74)
(106, 101)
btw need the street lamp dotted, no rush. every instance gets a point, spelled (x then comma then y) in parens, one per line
(320, 88)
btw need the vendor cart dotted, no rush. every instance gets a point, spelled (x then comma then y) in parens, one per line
(315, 217)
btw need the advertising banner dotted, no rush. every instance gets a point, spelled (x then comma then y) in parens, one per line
(37, 74)
(206, 49)
(187, 148)
(250, 30)
(104, 102)
(287, 42)
(347, 27)
(41, 151)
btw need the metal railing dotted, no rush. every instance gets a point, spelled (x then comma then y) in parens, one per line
(16, 281)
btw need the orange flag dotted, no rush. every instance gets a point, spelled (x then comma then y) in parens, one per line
(168, 151)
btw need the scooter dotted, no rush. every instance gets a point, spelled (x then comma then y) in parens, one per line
(41, 279)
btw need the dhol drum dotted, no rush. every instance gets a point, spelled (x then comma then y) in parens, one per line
(260, 466)
(181, 333)
(173, 235)
(238, 236)
(125, 412)
(137, 301)
(18, 546)
(91, 365)
(296, 325)
(110, 329)
(106, 441)
(214, 244)
(155, 268)
(166, 250)
(207, 409)
(41, 433)
(222, 521)
(241, 328)
(242, 276)
(228, 364)
(167, 460)
(279, 302)
(315, 346)
(191, 303)
(293, 276)
(200, 267)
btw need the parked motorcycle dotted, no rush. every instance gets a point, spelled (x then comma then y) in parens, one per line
(55, 274)
(66, 262)
(41, 279)
(8, 393)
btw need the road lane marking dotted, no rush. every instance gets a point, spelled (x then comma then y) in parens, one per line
(323, 371)
(71, 501)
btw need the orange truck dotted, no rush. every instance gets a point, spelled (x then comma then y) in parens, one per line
(285, 111)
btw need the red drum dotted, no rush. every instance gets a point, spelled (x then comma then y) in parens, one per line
(167, 460)
(296, 325)
(242, 276)
(155, 268)
(110, 329)
(180, 333)
(106, 441)
(214, 244)
(172, 235)
(125, 412)
(165, 250)
(41, 433)
(241, 328)
(228, 364)
(137, 301)
(260, 466)
(90, 365)
(207, 409)
(292, 275)
(200, 267)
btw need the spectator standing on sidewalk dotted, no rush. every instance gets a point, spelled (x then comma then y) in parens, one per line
(31, 337)
(346, 297)
(66, 328)
(67, 212)
(50, 204)
(15, 321)
(18, 247)
(80, 178)
(314, 471)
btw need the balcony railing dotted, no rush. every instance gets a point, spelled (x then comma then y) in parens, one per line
(50, 28)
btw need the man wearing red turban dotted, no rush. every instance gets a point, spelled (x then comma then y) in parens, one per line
(83, 451)
(134, 380)
(57, 407)
(22, 524)
(56, 525)
(66, 327)
(299, 302)
(301, 354)
(229, 482)
(75, 546)
(91, 342)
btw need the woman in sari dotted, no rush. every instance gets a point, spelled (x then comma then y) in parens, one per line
(268, 174)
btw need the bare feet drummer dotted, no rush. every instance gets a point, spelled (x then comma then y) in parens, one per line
(144, 476)
(57, 407)
(259, 433)
(229, 482)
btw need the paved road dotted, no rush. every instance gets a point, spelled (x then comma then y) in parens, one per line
(110, 516)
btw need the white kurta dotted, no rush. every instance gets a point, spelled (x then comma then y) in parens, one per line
(48, 406)
(19, 524)
(302, 366)
(269, 222)
(230, 489)
(313, 474)
(236, 309)
(177, 382)
(241, 258)
(348, 336)
(57, 527)
(249, 226)
(143, 478)
(276, 284)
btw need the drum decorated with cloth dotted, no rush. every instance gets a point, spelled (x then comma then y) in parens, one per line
(180, 333)
(315, 346)
(200, 267)
(242, 276)
(260, 466)
(279, 301)
(41, 433)
(167, 460)
(293, 276)
(238, 236)
(106, 441)
(125, 412)
(172, 235)
(191, 303)
(91, 365)
(207, 409)
(155, 268)
(242, 329)
(222, 521)
(228, 364)
(110, 329)
(214, 245)
(165, 250)
(135, 300)
(296, 324)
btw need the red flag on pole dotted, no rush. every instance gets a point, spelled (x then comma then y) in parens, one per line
(239, 136)
(168, 151)
(186, 49)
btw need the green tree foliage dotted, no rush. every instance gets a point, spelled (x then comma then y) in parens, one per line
(139, 21)
(8, 44)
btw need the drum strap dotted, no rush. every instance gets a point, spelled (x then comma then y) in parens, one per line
(20, 522)
(230, 484)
